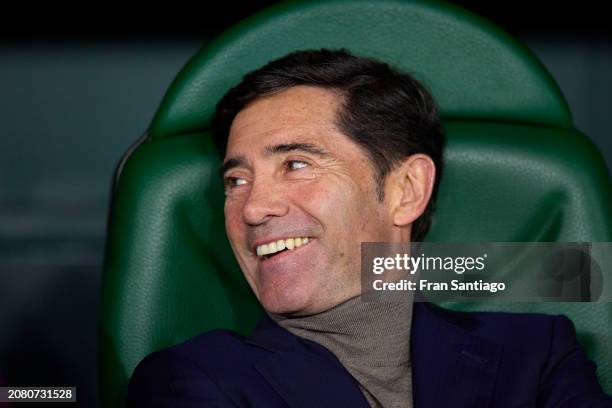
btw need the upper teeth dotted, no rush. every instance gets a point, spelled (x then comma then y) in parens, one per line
(272, 247)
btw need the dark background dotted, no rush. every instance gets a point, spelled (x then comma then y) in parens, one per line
(78, 86)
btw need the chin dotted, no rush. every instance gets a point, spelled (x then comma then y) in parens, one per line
(285, 303)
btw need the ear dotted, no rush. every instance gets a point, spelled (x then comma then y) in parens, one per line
(411, 187)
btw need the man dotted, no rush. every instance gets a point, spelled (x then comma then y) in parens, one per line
(322, 151)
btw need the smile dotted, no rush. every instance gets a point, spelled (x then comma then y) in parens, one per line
(273, 247)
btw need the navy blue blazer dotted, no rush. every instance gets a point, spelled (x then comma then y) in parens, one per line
(459, 359)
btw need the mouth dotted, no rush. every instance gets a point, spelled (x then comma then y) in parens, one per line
(277, 248)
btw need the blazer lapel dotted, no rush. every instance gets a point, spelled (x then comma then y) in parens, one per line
(451, 367)
(303, 372)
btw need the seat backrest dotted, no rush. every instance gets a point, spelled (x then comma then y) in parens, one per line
(516, 170)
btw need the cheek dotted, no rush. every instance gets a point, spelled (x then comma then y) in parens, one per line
(352, 213)
(233, 221)
(338, 207)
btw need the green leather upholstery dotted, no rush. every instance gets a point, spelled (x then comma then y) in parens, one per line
(517, 170)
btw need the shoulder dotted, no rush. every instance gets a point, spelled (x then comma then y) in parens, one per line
(209, 345)
(540, 352)
(532, 330)
(204, 352)
(192, 369)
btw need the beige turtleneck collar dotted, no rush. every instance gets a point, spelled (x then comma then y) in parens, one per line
(371, 340)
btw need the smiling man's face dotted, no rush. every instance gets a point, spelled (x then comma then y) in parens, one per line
(291, 174)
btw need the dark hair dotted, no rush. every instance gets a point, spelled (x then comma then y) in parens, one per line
(384, 111)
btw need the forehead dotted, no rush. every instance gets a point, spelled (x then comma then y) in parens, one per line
(306, 112)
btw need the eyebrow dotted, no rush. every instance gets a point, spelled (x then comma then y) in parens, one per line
(275, 149)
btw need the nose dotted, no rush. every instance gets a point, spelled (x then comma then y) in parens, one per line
(265, 200)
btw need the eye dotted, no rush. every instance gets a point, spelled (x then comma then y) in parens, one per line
(295, 164)
(231, 182)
